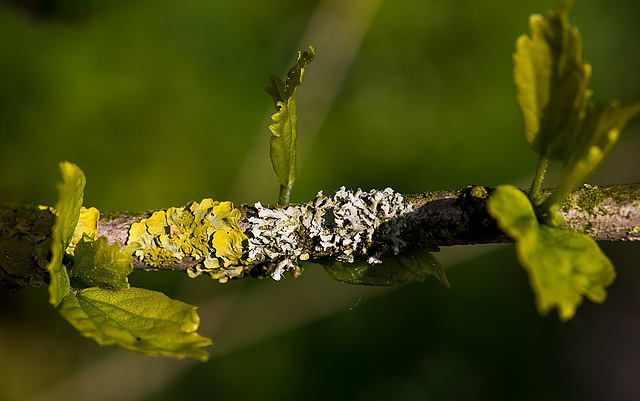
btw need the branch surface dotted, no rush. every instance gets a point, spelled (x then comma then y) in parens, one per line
(421, 221)
(458, 217)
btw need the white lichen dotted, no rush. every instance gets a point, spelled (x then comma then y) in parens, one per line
(342, 226)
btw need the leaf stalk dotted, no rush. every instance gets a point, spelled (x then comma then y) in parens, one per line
(538, 179)
(285, 194)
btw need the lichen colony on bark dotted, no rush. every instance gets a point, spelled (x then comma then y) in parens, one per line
(345, 225)
(336, 227)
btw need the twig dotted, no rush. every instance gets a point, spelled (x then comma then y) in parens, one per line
(418, 221)
(459, 217)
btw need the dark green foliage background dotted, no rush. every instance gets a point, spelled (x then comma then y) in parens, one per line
(161, 102)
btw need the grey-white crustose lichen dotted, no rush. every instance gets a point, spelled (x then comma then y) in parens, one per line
(342, 226)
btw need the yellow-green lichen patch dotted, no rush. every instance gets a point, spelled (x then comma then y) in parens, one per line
(479, 192)
(593, 199)
(604, 212)
(207, 231)
(87, 224)
(420, 198)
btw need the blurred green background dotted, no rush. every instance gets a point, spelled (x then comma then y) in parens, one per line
(162, 102)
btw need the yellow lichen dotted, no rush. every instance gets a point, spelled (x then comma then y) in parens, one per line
(87, 224)
(229, 245)
(207, 231)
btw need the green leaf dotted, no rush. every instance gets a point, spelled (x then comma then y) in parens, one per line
(559, 121)
(70, 194)
(393, 271)
(59, 285)
(599, 134)
(98, 264)
(284, 129)
(140, 320)
(563, 265)
(551, 82)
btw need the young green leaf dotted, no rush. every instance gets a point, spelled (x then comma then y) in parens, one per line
(98, 264)
(563, 265)
(393, 271)
(551, 82)
(559, 121)
(599, 134)
(284, 129)
(70, 194)
(59, 285)
(140, 320)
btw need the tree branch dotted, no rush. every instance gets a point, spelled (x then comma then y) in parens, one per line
(459, 217)
(422, 221)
